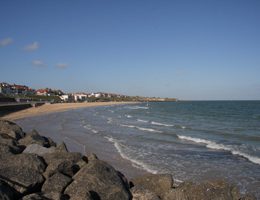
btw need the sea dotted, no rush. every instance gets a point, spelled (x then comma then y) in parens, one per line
(192, 140)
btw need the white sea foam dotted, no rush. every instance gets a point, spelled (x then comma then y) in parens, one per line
(141, 128)
(135, 163)
(141, 120)
(161, 124)
(109, 120)
(94, 131)
(128, 116)
(138, 107)
(214, 145)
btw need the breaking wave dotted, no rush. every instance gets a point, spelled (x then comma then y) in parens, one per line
(141, 128)
(136, 163)
(213, 145)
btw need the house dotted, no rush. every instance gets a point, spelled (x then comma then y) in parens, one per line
(66, 97)
(80, 96)
(43, 92)
(5, 88)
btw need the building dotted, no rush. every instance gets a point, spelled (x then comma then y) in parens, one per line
(66, 97)
(80, 96)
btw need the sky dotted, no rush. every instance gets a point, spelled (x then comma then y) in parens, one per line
(191, 50)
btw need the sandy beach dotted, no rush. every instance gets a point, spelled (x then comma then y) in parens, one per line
(51, 108)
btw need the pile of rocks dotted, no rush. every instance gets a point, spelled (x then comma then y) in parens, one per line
(33, 167)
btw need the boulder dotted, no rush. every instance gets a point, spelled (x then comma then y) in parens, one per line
(210, 190)
(22, 179)
(56, 183)
(64, 156)
(143, 194)
(35, 196)
(38, 149)
(22, 171)
(11, 129)
(156, 183)
(35, 138)
(100, 180)
(61, 148)
(6, 192)
(6, 149)
(65, 163)
(30, 161)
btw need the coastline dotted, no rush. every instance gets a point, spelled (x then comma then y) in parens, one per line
(111, 156)
(53, 108)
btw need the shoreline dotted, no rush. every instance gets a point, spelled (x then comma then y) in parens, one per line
(111, 155)
(54, 108)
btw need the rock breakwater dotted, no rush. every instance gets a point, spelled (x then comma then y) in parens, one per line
(33, 167)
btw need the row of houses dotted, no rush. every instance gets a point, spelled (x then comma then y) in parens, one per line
(23, 90)
(13, 89)
(86, 96)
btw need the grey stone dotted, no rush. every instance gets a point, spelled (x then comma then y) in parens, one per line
(36, 196)
(100, 180)
(68, 156)
(35, 138)
(30, 161)
(157, 183)
(38, 149)
(23, 180)
(11, 129)
(56, 183)
(65, 163)
(62, 148)
(210, 190)
(143, 194)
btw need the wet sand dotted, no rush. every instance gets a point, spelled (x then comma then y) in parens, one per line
(59, 107)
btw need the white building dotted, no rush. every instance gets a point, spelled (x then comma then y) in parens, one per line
(65, 97)
(80, 97)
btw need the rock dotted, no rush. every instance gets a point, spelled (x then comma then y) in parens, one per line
(35, 138)
(6, 192)
(56, 183)
(157, 183)
(100, 180)
(38, 149)
(211, 190)
(68, 156)
(65, 163)
(62, 148)
(35, 196)
(8, 145)
(143, 194)
(23, 180)
(92, 156)
(30, 161)
(22, 171)
(7, 149)
(11, 129)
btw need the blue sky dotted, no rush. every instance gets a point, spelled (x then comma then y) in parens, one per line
(186, 49)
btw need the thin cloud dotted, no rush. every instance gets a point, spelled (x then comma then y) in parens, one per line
(32, 47)
(6, 41)
(62, 65)
(38, 63)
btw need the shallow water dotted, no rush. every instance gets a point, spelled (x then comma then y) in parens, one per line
(191, 140)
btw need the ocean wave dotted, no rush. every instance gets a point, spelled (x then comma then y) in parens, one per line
(135, 163)
(128, 116)
(214, 145)
(141, 128)
(141, 120)
(109, 120)
(161, 124)
(138, 107)
(88, 127)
